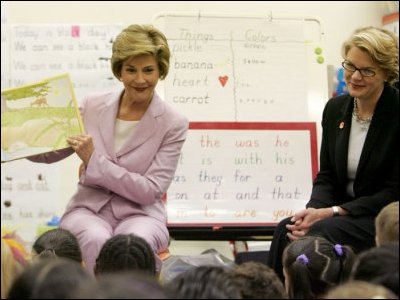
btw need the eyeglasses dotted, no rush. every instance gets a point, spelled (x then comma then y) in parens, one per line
(364, 72)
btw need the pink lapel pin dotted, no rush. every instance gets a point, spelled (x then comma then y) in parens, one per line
(341, 125)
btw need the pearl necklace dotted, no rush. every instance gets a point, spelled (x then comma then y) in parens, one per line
(363, 122)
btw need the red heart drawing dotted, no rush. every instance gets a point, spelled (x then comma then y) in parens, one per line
(223, 79)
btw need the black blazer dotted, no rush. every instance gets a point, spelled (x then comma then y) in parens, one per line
(377, 178)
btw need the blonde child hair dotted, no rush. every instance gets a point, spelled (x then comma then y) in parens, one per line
(355, 289)
(14, 258)
(387, 224)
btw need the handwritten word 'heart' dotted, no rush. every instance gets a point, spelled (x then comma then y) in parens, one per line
(223, 79)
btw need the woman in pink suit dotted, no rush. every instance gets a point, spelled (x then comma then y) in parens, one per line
(130, 152)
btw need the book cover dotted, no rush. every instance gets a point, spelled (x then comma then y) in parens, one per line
(38, 117)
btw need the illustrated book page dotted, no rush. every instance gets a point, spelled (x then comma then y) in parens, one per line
(38, 117)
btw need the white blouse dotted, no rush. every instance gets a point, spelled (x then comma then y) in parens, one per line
(123, 129)
(358, 133)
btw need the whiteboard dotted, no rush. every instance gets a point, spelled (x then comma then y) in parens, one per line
(245, 68)
(242, 173)
(249, 79)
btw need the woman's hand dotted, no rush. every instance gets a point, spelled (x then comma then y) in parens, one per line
(303, 220)
(83, 146)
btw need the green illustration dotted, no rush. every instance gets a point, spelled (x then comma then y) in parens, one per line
(37, 118)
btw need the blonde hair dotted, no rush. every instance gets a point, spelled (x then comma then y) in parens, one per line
(381, 45)
(387, 224)
(360, 290)
(137, 40)
(13, 260)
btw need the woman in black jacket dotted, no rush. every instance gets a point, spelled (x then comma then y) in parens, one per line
(359, 159)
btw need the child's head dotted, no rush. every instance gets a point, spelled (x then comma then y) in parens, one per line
(379, 265)
(123, 285)
(360, 290)
(49, 279)
(313, 264)
(387, 224)
(205, 282)
(258, 281)
(57, 243)
(14, 258)
(126, 252)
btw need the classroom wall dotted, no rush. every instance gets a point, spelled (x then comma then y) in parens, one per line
(339, 19)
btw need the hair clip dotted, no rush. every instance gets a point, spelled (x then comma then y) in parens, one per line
(303, 259)
(51, 250)
(339, 249)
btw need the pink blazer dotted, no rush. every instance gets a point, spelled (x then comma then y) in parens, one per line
(134, 178)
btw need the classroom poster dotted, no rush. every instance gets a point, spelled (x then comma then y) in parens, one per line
(30, 196)
(232, 69)
(243, 173)
(5, 63)
(81, 50)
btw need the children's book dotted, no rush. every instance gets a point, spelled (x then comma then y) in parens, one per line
(38, 117)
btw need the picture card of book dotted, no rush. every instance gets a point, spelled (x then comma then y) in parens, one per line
(38, 117)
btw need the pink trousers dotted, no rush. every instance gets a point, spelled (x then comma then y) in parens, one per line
(93, 230)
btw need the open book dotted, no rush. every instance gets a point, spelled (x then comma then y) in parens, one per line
(37, 118)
